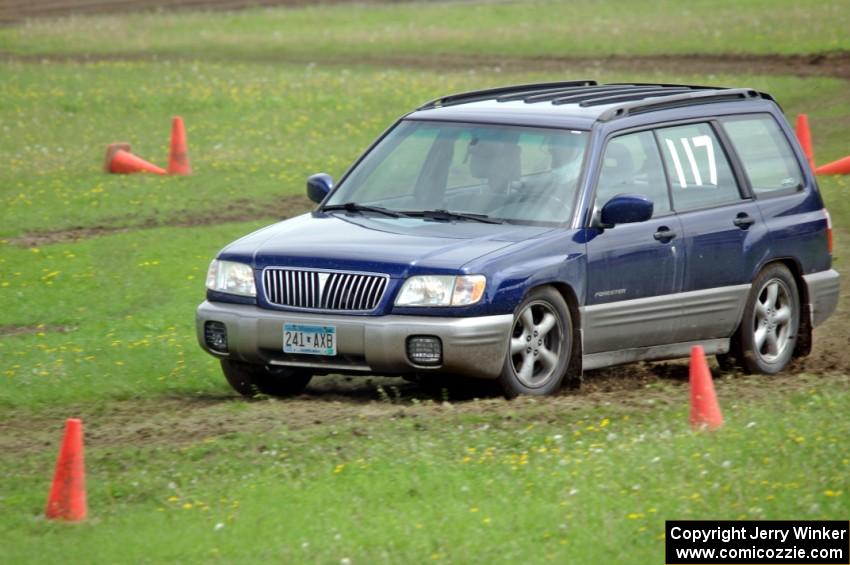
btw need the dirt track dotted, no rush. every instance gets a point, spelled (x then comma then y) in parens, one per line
(237, 211)
(836, 64)
(16, 10)
(352, 406)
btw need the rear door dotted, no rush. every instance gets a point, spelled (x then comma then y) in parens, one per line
(633, 269)
(723, 230)
(792, 211)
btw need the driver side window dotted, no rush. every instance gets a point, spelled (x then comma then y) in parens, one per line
(632, 164)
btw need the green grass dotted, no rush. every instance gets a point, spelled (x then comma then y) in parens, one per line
(172, 454)
(125, 305)
(521, 482)
(256, 131)
(519, 29)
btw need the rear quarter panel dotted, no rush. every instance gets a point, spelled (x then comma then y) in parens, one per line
(797, 229)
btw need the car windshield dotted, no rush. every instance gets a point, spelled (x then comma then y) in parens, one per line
(455, 172)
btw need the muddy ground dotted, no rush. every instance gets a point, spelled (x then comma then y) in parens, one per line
(241, 210)
(835, 64)
(353, 405)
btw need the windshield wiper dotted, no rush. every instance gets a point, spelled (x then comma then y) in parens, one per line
(359, 208)
(447, 215)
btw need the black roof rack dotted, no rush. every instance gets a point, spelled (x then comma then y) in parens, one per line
(619, 90)
(551, 96)
(629, 98)
(680, 100)
(491, 93)
(550, 93)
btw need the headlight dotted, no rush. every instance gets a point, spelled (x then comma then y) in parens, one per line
(440, 290)
(232, 278)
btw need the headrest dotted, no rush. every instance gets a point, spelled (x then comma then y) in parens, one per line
(490, 159)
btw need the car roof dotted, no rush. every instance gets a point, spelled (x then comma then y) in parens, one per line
(577, 104)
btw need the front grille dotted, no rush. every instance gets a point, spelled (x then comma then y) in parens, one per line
(322, 290)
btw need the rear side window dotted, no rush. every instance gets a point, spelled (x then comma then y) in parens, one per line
(765, 154)
(632, 165)
(699, 172)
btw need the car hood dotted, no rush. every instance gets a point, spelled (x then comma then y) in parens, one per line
(396, 246)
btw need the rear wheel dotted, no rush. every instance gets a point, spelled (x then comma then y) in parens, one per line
(249, 380)
(768, 331)
(540, 345)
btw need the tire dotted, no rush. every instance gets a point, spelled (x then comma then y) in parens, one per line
(249, 380)
(541, 338)
(768, 332)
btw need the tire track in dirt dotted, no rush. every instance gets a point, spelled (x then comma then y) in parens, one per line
(242, 210)
(827, 64)
(352, 405)
(14, 330)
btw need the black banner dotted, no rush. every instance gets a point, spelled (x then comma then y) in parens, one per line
(694, 542)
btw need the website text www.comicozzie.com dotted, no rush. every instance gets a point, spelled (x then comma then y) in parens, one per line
(760, 553)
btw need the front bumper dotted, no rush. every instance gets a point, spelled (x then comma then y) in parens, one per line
(474, 347)
(823, 288)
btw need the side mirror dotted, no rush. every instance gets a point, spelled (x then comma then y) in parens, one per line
(318, 186)
(626, 209)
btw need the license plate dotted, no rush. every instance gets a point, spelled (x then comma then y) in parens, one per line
(309, 340)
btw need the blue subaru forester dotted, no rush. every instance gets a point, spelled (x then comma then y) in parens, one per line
(531, 232)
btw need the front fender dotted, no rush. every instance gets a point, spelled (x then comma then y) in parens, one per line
(551, 260)
(558, 257)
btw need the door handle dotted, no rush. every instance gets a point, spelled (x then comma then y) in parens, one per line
(664, 235)
(744, 220)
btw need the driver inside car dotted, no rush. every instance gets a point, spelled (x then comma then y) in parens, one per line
(551, 191)
(566, 153)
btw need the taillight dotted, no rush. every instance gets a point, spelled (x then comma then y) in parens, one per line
(828, 231)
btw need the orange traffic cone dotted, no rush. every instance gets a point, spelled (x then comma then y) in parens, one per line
(67, 499)
(111, 150)
(804, 136)
(705, 412)
(124, 163)
(178, 156)
(840, 167)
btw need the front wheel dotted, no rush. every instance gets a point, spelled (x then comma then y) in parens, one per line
(540, 345)
(768, 331)
(249, 380)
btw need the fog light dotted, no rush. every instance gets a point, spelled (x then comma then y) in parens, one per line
(215, 335)
(425, 350)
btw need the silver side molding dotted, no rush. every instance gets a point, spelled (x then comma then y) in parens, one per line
(671, 318)
(654, 353)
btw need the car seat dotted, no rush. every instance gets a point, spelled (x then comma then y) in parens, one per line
(497, 162)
